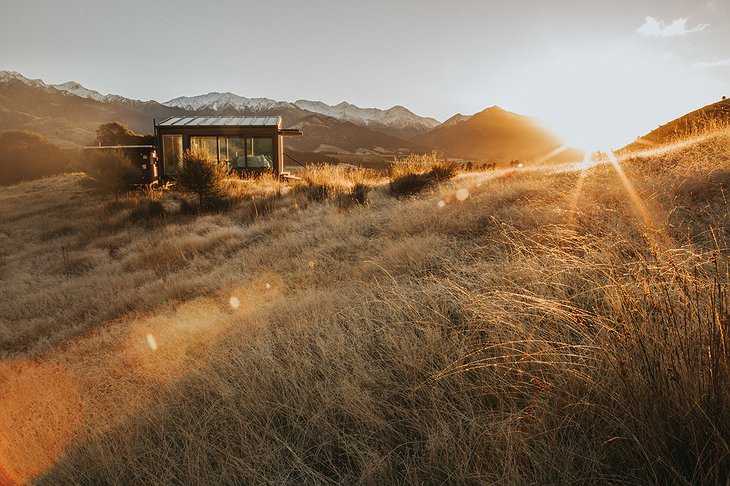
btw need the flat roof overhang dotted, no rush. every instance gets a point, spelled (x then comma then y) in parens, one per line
(290, 132)
(120, 147)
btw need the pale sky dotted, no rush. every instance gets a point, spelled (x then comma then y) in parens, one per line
(597, 72)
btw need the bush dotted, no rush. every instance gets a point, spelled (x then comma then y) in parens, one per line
(113, 171)
(201, 174)
(26, 155)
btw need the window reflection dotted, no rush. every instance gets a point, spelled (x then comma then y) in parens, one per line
(262, 153)
(236, 152)
(172, 149)
(208, 145)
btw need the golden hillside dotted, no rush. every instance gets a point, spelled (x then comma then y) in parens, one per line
(539, 325)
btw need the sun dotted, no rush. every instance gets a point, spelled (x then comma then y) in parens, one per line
(590, 140)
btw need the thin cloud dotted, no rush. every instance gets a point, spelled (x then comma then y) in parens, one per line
(656, 28)
(712, 64)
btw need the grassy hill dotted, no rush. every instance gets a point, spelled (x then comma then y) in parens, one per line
(710, 117)
(546, 325)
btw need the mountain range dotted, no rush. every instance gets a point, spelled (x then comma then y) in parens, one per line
(69, 114)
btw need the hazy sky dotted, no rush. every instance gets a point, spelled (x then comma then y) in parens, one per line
(599, 72)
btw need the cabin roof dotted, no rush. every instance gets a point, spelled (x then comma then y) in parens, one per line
(221, 121)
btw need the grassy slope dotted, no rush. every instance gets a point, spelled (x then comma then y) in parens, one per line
(713, 116)
(551, 328)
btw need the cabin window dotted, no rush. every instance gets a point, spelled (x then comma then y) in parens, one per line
(208, 145)
(172, 149)
(222, 149)
(261, 153)
(236, 153)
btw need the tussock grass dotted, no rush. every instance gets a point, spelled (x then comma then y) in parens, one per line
(510, 327)
(417, 173)
(343, 183)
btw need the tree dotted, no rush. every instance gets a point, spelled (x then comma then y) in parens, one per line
(28, 155)
(201, 174)
(115, 133)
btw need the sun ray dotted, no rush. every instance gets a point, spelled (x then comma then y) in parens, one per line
(587, 163)
(552, 154)
(656, 234)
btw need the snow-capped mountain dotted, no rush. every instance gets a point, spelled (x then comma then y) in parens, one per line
(6, 76)
(398, 118)
(395, 117)
(221, 101)
(70, 87)
(78, 90)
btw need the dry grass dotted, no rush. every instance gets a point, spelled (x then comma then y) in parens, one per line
(344, 183)
(509, 327)
(418, 173)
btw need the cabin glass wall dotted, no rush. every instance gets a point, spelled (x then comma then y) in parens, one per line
(223, 150)
(261, 155)
(208, 145)
(172, 149)
(236, 152)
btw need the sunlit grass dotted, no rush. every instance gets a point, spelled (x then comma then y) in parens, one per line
(513, 326)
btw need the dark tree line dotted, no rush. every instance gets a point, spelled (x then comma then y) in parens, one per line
(115, 133)
(27, 155)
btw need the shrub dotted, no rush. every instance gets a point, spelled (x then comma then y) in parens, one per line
(113, 171)
(26, 156)
(202, 175)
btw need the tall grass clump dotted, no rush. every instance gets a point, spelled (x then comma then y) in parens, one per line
(322, 182)
(417, 173)
(668, 358)
(202, 175)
